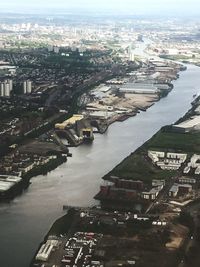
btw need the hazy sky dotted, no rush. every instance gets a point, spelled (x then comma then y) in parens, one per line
(134, 6)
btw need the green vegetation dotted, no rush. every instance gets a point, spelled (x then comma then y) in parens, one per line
(72, 63)
(176, 57)
(166, 140)
(190, 59)
(163, 93)
(28, 44)
(63, 224)
(132, 228)
(138, 166)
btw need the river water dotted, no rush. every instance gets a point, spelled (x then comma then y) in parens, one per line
(25, 221)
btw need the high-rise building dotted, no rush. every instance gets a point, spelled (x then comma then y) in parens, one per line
(7, 89)
(50, 48)
(27, 87)
(131, 56)
(24, 87)
(56, 49)
(2, 90)
(11, 84)
(73, 48)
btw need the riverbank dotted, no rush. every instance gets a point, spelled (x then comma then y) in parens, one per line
(145, 165)
(183, 59)
(43, 169)
(118, 99)
(95, 233)
(125, 96)
(109, 219)
(77, 181)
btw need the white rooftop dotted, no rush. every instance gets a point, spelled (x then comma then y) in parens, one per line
(7, 182)
(191, 123)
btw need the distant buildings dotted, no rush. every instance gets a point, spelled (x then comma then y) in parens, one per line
(8, 182)
(186, 180)
(120, 189)
(194, 164)
(5, 88)
(180, 188)
(131, 56)
(157, 186)
(139, 88)
(54, 49)
(27, 87)
(131, 53)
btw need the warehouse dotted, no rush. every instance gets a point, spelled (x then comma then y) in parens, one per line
(7, 183)
(192, 124)
(71, 121)
(139, 88)
(46, 250)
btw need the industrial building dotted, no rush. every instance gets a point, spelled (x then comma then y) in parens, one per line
(127, 183)
(7, 183)
(123, 189)
(101, 91)
(102, 115)
(189, 125)
(76, 129)
(69, 122)
(180, 189)
(46, 250)
(75, 250)
(139, 88)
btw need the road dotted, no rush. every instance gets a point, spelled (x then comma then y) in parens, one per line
(162, 195)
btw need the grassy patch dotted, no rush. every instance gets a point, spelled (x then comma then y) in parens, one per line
(138, 166)
(63, 224)
(182, 142)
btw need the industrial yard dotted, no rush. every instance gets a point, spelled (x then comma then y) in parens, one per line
(147, 216)
(118, 99)
(98, 238)
(166, 167)
(123, 97)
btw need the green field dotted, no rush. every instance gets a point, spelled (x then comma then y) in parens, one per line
(138, 166)
(170, 141)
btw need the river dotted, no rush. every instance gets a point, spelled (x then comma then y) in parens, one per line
(25, 220)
